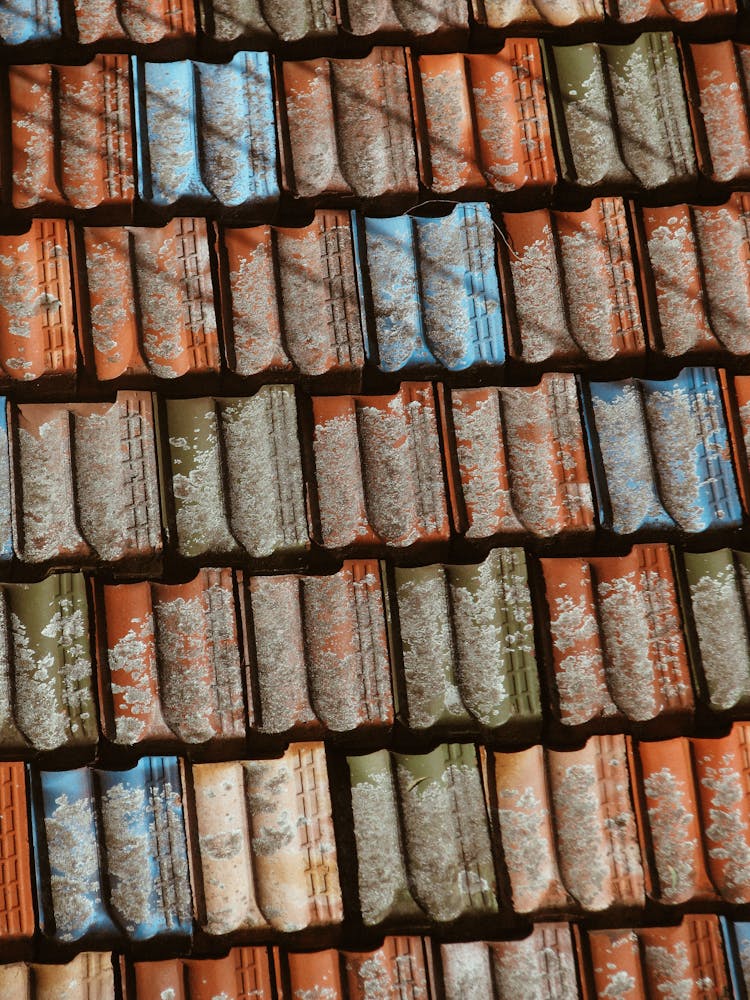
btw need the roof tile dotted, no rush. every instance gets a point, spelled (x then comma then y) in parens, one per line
(16, 899)
(243, 973)
(89, 976)
(721, 71)
(30, 21)
(142, 21)
(418, 19)
(287, 20)
(543, 14)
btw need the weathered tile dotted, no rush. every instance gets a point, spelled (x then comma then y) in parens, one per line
(236, 474)
(465, 640)
(37, 330)
(142, 21)
(30, 21)
(720, 75)
(378, 469)
(482, 121)
(422, 840)
(320, 651)
(514, 13)
(679, 11)
(616, 637)
(432, 290)
(364, 17)
(149, 307)
(568, 828)
(622, 114)
(16, 900)
(660, 452)
(398, 969)
(518, 460)
(349, 126)
(698, 257)
(206, 133)
(89, 976)
(47, 699)
(541, 965)
(71, 135)
(718, 600)
(287, 20)
(580, 265)
(243, 973)
(290, 298)
(111, 853)
(86, 483)
(266, 844)
(170, 661)
(686, 961)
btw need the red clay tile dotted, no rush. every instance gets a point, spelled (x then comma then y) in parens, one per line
(616, 637)
(398, 969)
(721, 72)
(243, 973)
(320, 651)
(290, 298)
(315, 974)
(150, 307)
(698, 257)
(378, 469)
(482, 120)
(170, 659)
(16, 900)
(349, 126)
(89, 976)
(580, 265)
(141, 21)
(517, 460)
(266, 843)
(71, 135)
(512, 13)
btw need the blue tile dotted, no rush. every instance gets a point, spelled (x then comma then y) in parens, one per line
(23, 21)
(736, 942)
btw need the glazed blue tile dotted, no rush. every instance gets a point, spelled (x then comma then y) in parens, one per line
(6, 529)
(433, 288)
(661, 454)
(736, 944)
(23, 21)
(206, 132)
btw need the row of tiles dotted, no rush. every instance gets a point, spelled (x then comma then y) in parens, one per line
(443, 649)
(702, 958)
(97, 483)
(205, 136)
(244, 850)
(149, 22)
(402, 294)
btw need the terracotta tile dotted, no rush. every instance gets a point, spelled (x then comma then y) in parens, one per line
(243, 973)
(207, 133)
(432, 291)
(315, 974)
(416, 19)
(697, 256)
(460, 101)
(290, 298)
(568, 828)
(465, 639)
(349, 126)
(518, 460)
(580, 264)
(398, 968)
(661, 454)
(514, 13)
(542, 964)
(379, 473)
(720, 75)
(686, 960)
(30, 22)
(320, 651)
(16, 900)
(37, 330)
(149, 306)
(47, 700)
(622, 114)
(70, 135)
(89, 976)
(236, 474)
(616, 637)
(718, 600)
(86, 481)
(418, 859)
(266, 844)
(142, 21)
(289, 20)
(111, 854)
(639, 11)
(170, 661)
